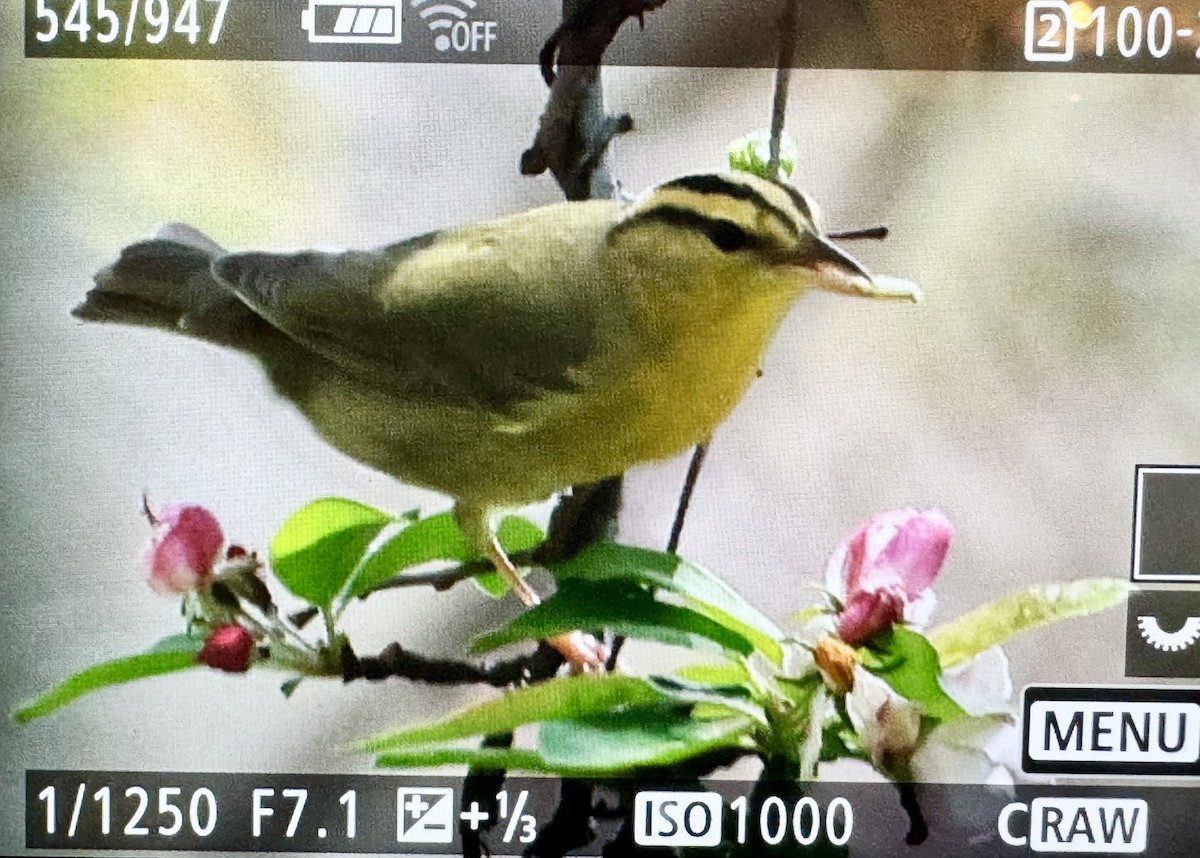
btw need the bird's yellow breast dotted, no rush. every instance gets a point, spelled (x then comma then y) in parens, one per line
(697, 361)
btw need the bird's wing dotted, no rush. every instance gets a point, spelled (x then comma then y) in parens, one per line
(455, 318)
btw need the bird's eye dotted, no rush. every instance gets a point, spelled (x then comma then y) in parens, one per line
(728, 237)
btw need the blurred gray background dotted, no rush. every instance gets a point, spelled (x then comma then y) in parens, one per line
(1051, 219)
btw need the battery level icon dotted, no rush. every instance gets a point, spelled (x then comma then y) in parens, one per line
(363, 22)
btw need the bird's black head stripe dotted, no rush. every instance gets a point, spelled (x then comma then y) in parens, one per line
(726, 235)
(798, 200)
(713, 184)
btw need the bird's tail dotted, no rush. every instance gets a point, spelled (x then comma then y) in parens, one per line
(167, 282)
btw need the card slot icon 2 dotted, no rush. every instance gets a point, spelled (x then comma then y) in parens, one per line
(1049, 32)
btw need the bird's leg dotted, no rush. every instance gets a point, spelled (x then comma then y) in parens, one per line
(528, 596)
(582, 651)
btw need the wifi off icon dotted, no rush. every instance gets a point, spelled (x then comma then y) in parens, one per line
(452, 26)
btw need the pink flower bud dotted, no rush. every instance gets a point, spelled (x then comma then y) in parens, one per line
(867, 613)
(228, 648)
(186, 543)
(885, 567)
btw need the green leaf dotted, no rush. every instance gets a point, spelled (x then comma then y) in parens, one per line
(729, 673)
(721, 700)
(876, 661)
(627, 610)
(752, 154)
(621, 742)
(434, 538)
(839, 742)
(614, 743)
(909, 664)
(994, 623)
(820, 708)
(438, 538)
(99, 676)
(178, 643)
(702, 591)
(561, 697)
(492, 583)
(320, 546)
(805, 615)
(800, 689)
(518, 534)
(504, 759)
(681, 689)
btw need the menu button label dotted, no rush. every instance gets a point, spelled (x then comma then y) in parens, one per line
(1115, 730)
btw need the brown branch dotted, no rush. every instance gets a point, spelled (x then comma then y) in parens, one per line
(574, 131)
(395, 662)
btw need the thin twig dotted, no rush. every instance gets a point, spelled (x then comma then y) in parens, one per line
(681, 511)
(685, 496)
(787, 48)
(873, 233)
(783, 74)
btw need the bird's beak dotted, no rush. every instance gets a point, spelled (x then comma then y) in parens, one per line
(838, 271)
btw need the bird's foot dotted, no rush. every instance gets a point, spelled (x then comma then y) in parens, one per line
(583, 652)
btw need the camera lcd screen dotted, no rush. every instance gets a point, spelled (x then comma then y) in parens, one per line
(465, 427)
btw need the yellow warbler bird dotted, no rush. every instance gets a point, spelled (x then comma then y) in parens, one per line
(502, 361)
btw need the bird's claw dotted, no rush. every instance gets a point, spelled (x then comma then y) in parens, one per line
(582, 651)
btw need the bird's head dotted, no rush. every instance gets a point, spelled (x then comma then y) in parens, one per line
(747, 230)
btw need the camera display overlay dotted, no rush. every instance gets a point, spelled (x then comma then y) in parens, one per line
(462, 427)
